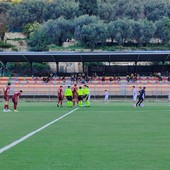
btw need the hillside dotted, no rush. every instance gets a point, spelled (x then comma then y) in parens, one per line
(94, 25)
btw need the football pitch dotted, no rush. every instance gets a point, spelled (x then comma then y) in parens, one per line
(113, 136)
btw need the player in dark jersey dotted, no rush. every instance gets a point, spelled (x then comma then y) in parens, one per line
(15, 99)
(6, 98)
(141, 96)
(60, 96)
(75, 95)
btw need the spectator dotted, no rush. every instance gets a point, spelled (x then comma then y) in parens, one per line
(103, 79)
(63, 79)
(160, 78)
(119, 79)
(127, 78)
(110, 79)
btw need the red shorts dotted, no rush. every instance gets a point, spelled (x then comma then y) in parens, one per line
(14, 100)
(75, 96)
(6, 98)
(60, 98)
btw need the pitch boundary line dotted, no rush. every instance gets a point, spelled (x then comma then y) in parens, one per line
(7, 147)
(135, 111)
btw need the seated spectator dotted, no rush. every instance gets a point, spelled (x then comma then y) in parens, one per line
(119, 79)
(168, 78)
(135, 78)
(63, 79)
(46, 79)
(103, 79)
(72, 78)
(87, 79)
(110, 79)
(127, 78)
(160, 78)
(82, 80)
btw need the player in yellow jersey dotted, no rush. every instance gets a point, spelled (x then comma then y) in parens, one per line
(80, 96)
(69, 96)
(86, 95)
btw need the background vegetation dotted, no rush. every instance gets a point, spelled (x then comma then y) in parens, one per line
(93, 24)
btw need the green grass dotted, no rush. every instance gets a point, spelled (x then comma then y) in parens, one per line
(112, 136)
(80, 48)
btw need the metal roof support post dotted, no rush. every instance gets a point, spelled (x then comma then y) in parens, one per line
(163, 66)
(57, 68)
(83, 66)
(136, 64)
(31, 67)
(3, 69)
(109, 60)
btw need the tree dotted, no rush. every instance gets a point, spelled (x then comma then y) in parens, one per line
(106, 12)
(29, 12)
(85, 20)
(166, 29)
(120, 30)
(91, 34)
(30, 28)
(3, 30)
(134, 10)
(16, 1)
(143, 31)
(155, 10)
(163, 30)
(26, 12)
(52, 32)
(89, 7)
(4, 7)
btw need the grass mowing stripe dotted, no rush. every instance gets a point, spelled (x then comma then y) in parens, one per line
(136, 111)
(34, 132)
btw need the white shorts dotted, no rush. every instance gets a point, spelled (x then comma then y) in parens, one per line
(169, 97)
(134, 98)
(106, 98)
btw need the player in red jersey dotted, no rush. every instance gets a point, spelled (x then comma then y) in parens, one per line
(60, 96)
(6, 98)
(15, 98)
(75, 95)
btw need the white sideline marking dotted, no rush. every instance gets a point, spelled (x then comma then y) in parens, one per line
(34, 132)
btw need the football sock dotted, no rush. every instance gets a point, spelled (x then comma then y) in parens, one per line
(81, 103)
(15, 106)
(68, 103)
(87, 103)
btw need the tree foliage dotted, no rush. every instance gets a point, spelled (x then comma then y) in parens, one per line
(4, 8)
(89, 7)
(91, 34)
(51, 32)
(90, 22)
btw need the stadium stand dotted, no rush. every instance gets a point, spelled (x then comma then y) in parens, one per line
(35, 86)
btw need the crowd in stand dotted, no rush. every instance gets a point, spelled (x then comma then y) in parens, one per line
(84, 78)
